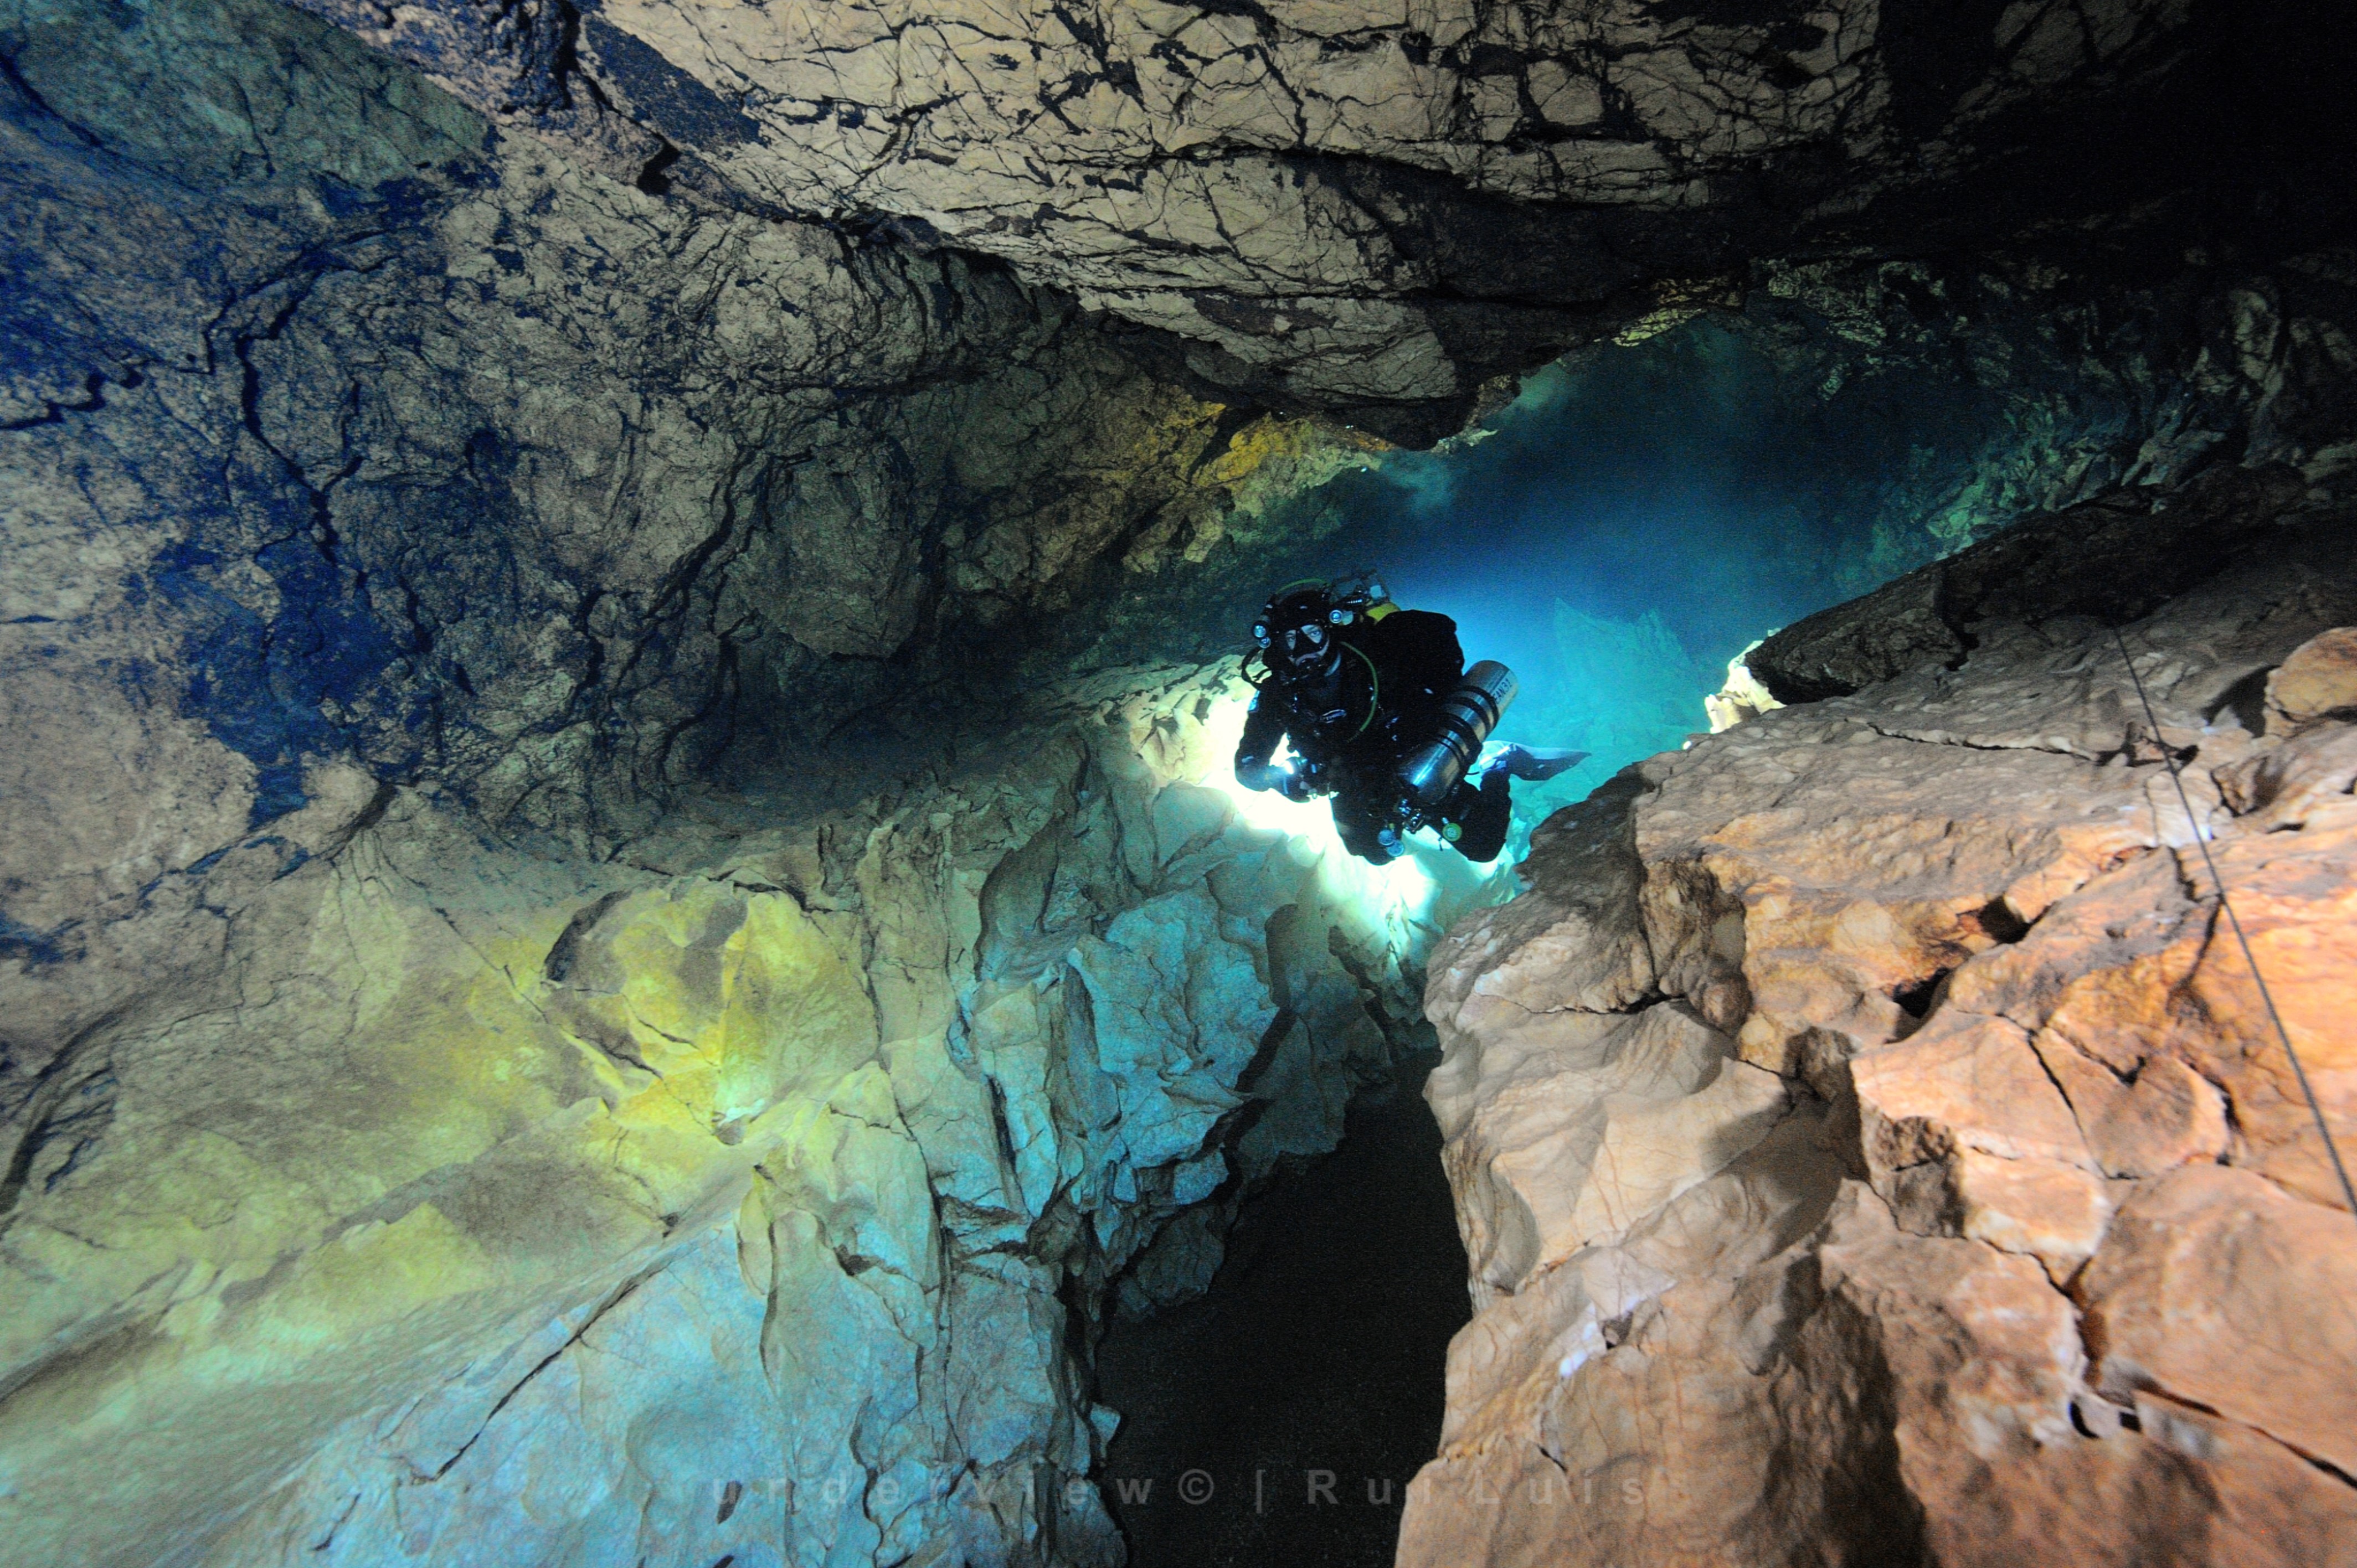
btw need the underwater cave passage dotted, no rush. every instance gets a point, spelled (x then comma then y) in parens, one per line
(1641, 511)
(1616, 534)
(1278, 1418)
(629, 934)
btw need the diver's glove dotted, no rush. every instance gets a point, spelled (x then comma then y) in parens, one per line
(1262, 775)
(1293, 781)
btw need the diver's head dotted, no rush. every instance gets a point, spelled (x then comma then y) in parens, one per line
(1295, 632)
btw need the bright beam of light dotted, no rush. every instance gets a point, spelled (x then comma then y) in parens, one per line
(1427, 886)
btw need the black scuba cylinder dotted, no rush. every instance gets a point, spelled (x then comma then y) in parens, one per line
(1467, 715)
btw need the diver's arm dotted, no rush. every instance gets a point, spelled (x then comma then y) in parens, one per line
(1264, 727)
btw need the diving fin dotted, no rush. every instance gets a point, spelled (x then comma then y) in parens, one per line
(1535, 763)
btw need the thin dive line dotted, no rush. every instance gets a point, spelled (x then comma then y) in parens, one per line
(2201, 837)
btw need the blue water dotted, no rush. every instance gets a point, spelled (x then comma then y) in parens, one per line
(1627, 527)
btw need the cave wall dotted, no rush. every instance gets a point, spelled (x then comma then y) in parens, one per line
(474, 413)
(1870, 1142)
(2127, 363)
(1840, 422)
(440, 1124)
(739, 1196)
(408, 1157)
(342, 427)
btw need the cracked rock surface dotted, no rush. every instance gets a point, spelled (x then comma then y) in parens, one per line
(1867, 1135)
(427, 1137)
(441, 1122)
(1367, 208)
(342, 426)
(429, 444)
(740, 1195)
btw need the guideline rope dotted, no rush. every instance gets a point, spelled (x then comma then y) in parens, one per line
(2227, 904)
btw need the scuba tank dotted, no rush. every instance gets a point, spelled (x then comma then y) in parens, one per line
(1467, 715)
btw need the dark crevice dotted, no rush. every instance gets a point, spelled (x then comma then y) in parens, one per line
(1997, 921)
(1917, 999)
(559, 963)
(1319, 1347)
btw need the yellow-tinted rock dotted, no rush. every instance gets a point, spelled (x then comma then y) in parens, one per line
(519, 1201)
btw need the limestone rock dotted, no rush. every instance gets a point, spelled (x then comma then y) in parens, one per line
(1663, 1106)
(1571, 944)
(2317, 681)
(447, 454)
(485, 1203)
(2044, 1261)
(2112, 559)
(438, 1130)
(2217, 1289)
(1361, 208)
(1742, 697)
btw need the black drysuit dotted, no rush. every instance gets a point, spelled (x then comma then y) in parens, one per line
(1351, 727)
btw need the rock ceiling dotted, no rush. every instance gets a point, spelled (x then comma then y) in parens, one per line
(1338, 206)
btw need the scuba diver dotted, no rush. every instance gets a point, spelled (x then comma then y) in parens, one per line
(1381, 714)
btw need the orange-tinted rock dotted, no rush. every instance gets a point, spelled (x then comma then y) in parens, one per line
(2317, 681)
(2217, 1289)
(1618, 1408)
(2163, 1117)
(2296, 895)
(2091, 1302)
(1661, 1106)
(1971, 1084)
(2041, 1208)
(1980, 1362)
